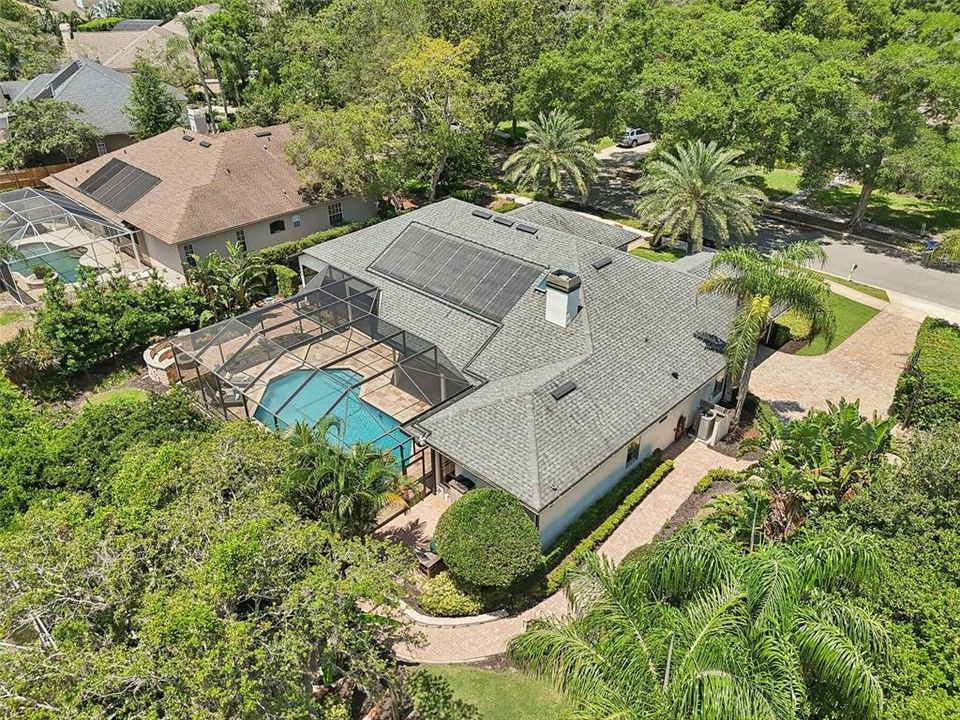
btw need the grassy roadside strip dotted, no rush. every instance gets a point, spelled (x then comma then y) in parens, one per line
(604, 516)
(870, 290)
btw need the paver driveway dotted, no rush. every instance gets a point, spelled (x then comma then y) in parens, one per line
(866, 366)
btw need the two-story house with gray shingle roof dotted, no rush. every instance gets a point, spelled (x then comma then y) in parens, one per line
(99, 92)
(582, 359)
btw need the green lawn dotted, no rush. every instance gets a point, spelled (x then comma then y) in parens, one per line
(778, 184)
(501, 695)
(118, 395)
(851, 316)
(870, 290)
(891, 209)
(8, 317)
(658, 255)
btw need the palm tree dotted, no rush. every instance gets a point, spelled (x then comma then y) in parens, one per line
(761, 284)
(696, 629)
(556, 151)
(695, 188)
(347, 487)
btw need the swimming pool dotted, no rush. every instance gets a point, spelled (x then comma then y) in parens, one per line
(360, 421)
(64, 261)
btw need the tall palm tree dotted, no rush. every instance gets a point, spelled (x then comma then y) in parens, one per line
(347, 487)
(696, 629)
(761, 284)
(556, 152)
(695, 188)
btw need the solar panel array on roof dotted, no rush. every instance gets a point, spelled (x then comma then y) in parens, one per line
(462, 273)
(118, 185)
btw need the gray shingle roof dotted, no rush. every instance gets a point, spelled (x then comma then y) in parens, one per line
(639, 322)
(100, 92)
(574, 223)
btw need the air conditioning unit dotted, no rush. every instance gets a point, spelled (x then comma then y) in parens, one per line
(705, 424)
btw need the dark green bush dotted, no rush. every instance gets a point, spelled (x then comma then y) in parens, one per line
(935, 398)
(557, 576)
(286, 280)
(98, 24)
(487, 539)
(106, 319)
(478, 196)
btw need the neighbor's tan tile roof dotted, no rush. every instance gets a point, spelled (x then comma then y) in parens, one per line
(238, 180)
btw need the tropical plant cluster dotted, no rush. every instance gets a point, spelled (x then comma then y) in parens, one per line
(488, 540)
(716, 475)
(928, 391)
(230, 283)
(806, 593)
(610, 520)
(159, 563)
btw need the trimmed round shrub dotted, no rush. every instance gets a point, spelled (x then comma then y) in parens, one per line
(442, 596)
(487, 539)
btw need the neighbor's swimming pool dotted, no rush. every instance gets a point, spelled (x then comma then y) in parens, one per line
(64, 261)
(360, 421)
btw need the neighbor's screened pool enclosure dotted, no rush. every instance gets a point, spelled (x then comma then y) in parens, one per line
(322, 353)
(47, 229)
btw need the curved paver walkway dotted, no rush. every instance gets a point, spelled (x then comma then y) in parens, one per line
(475, 642)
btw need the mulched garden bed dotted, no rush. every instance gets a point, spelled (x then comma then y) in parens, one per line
(692, 505)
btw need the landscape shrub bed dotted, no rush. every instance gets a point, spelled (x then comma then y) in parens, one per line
(443, 596)
(605, 516)
(938, 394)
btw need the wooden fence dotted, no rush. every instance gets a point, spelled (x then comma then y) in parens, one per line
(28, 177)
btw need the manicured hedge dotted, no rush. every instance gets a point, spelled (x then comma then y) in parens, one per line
(638, 484)
(287, 253)
(716, 475)
(487, 540)
(938, 399)
(99, 24)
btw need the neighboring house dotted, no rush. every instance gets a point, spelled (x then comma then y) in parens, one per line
(99, 92)
(479, 350)
(119, 48)
(190, 194)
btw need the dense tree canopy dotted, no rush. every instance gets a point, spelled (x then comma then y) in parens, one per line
(43, 128)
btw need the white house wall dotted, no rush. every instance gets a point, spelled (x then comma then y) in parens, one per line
(556, 517)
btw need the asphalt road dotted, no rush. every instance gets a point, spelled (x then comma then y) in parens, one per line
(886, 267)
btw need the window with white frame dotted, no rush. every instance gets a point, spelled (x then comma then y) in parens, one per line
(101, 147)
(296, 221)
(241, 238)
(633, 452)
(335, 212)
(718, 385)
(189, 255)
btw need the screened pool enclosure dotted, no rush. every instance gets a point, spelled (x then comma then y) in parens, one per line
(46, 229)
(322, 353)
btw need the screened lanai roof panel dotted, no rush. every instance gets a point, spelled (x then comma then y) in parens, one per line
(25, 213)
(466, 274)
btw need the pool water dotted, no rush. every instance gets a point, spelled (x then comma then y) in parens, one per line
(64, 261)
(360, 421)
